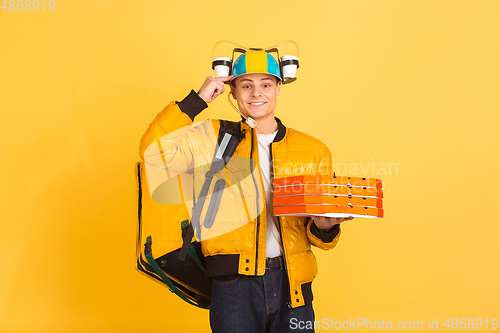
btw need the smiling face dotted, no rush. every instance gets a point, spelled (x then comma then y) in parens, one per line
(256, 95)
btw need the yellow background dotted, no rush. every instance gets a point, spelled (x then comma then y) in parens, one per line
(414, 83)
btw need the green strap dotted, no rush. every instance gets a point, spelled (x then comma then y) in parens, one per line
(194, 256)
(191, 251)
(164, 277)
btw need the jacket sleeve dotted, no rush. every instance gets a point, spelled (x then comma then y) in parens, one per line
(324, 240)
(174, 116)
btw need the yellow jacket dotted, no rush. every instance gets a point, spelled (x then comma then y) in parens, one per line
(243, 250)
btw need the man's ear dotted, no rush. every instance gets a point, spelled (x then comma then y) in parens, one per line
(278, 89)
(232, 90)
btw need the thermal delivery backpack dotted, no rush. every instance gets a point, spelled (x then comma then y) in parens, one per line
(166, 248)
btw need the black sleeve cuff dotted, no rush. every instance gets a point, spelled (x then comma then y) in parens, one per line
(326, 237)
(192, 105)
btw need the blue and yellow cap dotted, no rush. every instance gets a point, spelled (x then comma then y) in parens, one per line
(256, 61)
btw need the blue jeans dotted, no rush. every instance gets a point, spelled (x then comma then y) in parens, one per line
(255, 304)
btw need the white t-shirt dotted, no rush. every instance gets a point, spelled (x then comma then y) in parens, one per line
(273, 244)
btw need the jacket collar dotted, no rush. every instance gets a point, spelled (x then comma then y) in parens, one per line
(281, 129)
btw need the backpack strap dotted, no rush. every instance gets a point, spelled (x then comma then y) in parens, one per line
(229, 137)
(164, 277)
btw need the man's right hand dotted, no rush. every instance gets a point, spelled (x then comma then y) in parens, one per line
(213, 87)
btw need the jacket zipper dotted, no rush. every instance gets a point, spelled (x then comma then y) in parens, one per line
(257, 203)
(289, 303)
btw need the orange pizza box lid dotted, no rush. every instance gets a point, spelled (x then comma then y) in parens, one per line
(329, 211)
(327, 199)
(328, 189)
(327, 179)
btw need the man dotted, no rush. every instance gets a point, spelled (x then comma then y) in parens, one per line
(259, 288)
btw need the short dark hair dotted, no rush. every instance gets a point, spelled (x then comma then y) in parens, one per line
(233, 81)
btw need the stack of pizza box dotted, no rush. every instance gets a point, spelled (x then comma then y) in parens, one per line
(331, 196)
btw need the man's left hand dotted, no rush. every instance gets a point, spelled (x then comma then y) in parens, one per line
(326, 223)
